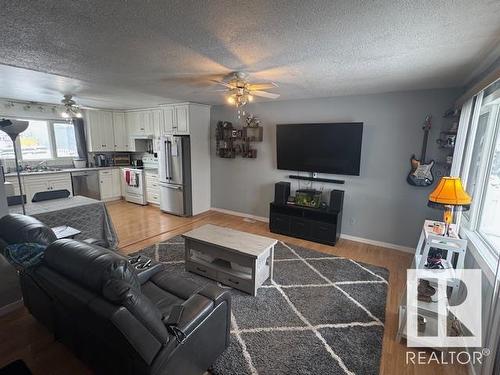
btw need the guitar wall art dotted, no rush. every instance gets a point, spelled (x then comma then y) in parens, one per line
(421, 173)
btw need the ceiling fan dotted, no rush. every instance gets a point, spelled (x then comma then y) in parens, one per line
(240, 91)
(70, 108)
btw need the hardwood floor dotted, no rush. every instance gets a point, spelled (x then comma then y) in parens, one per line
(137, 227)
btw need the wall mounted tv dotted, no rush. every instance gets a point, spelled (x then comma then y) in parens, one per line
(328, 147)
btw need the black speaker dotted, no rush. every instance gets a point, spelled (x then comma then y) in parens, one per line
(281, 192)
(336, 200)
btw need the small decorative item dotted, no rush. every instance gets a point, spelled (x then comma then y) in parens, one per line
(308, 198)
(252, 121)
(449, 195)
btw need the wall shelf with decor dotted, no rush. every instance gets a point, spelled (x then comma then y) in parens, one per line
(446, 142)
(232, 141)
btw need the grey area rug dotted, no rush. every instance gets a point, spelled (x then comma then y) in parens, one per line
(321, 314)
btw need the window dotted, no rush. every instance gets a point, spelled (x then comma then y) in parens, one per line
(35, 142)
(477, 153)
(6, 148)
(42, 140)
(64, 135)
(489, 220)
(480, 170)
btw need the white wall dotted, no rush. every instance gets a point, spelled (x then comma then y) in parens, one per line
(379, 205)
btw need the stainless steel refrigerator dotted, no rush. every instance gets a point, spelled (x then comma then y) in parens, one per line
(174, 170)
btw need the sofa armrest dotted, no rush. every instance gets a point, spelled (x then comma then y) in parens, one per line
(200, 305)
(145, 274)
(216, 294)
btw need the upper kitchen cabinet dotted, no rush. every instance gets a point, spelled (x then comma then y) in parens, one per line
(157, 122)
(133, 123)
(120, 132)
(100, 134)
(176, 119)
(139, 123)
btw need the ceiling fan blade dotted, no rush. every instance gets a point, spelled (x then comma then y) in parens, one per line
(262, 86)
(264, 94)
(222, 83)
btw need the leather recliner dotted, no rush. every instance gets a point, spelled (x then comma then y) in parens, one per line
(112, 317)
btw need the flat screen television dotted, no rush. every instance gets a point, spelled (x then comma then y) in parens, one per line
(328, 148)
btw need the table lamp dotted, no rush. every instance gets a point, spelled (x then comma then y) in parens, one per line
(13, 128)
(449, 196)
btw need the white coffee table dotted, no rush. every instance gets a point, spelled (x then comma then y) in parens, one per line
(238, 259)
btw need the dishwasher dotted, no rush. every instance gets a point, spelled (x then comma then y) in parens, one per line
(86, 183)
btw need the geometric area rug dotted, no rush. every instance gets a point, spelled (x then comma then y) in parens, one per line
(321, 314)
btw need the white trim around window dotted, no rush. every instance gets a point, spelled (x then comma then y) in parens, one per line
(486, 255)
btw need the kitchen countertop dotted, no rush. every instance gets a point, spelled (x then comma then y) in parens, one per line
(63, 170)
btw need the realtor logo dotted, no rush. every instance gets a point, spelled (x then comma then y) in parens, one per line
(443, 308)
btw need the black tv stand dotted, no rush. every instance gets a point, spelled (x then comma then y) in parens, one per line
(319, 179)
(313, 224)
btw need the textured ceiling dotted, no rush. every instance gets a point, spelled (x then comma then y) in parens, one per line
(137, 53)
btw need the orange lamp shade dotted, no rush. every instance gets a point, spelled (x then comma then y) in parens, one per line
(450, 192)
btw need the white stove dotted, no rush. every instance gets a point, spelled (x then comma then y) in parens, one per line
(135, 185)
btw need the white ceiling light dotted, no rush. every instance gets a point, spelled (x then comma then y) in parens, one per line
(70, 108)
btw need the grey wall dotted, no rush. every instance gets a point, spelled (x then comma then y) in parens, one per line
(379, 204)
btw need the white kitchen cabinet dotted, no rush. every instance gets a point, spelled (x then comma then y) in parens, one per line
(117, 188)
(152, 187)
(133, 123)
(139, 123)
(106, 185)
(109, 184)
(168, 120)
(92, 122)
(182, 119)
(176, 119)
(100, 134)
(107, 133)
(15, 184)
(157, 124)
(147, 121)
(47, 182)
(120, 132)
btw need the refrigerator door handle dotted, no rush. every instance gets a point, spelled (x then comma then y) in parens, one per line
(168, 159)
(173, 187)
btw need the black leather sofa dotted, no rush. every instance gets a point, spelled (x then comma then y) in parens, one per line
(113, 316)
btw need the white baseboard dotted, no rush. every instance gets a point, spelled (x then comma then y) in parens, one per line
(388, 245)
(242, 214)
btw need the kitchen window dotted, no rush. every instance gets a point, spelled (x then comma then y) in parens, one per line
(64, 136)
(6, 149)
(35, 141)
(42, 140)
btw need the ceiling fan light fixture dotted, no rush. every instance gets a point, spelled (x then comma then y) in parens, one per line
(70, 108)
